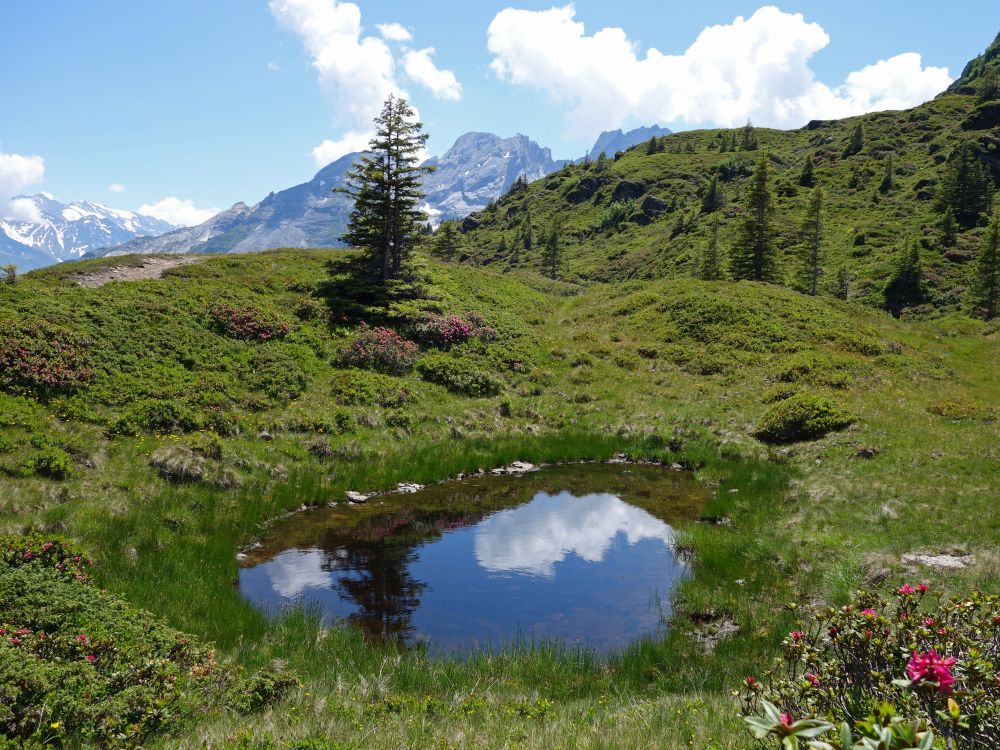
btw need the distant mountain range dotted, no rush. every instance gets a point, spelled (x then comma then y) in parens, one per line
(68, 231)
(477, 169)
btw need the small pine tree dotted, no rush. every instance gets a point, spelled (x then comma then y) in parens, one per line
(811, 267)
(906, 287)
(986, 284)
(712, 200)
(515, 254)
(601, 165)
(653, 146)
(843, 283)
(806, 179)
(752, 255)
(446, 241)
(857, 140)
(749, 141)
(8, 274)
(529, 236)
(502, 246)
(710, 270)
(887, 180)
(552, 258)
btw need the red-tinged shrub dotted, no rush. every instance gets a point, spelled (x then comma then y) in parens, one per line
(908, 666)
(445, 331)
(380, 349)
(248, 323)
(39, 360)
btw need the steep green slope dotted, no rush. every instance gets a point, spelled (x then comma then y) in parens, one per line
(161, 424)
(641, 216)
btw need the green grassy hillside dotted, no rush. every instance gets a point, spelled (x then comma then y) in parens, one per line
(641, 215)
(159, 424)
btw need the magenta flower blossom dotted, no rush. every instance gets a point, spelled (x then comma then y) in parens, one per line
(869, 613)
(786, 719)
(933, 669)
(907, 590)
(796, 635)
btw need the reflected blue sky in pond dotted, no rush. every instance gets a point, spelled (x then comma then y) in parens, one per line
(588, 569)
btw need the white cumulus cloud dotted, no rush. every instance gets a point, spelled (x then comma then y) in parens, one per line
(394, 32)
(533, 538)
(754, 68)
(116, 187)
(420, 68)
(330, 150)
(359, 71)
(182, 213)
(16, 173)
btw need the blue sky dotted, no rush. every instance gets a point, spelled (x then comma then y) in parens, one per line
(221, 101)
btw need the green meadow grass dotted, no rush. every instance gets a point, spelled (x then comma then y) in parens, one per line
(675, 370)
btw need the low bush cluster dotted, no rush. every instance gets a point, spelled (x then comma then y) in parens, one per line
(898, 672)
(802, 416)
(458, 376)
(380, 349)
(81, 667)
(363, 388)
(39, 360)
(249, 323)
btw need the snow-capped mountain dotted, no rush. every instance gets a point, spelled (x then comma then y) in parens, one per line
(68, 230)
(480, 167)
(477, 169)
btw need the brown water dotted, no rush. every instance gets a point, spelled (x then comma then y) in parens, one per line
(583, 554)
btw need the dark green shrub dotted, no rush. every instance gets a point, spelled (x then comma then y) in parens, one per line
(809, 367)
(458, 376)
(53, 462)
(803, 416)
(159, 416)
(252, 691)
(365, 388)
(276, 374)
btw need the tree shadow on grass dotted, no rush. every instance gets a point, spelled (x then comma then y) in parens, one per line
(354, 294)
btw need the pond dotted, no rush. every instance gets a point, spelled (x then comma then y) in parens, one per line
(583, 554)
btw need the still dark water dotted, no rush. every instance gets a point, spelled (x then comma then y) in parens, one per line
(583, 554)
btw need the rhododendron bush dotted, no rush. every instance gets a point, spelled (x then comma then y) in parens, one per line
(79, 666)
(380, 349)
(36, 359)
(913, 667)
(445, 331)
(248, 323)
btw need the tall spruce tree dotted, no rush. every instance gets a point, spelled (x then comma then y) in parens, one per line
(811, 257)
(843, 283)
(752, 255)
(906, 287)
(552, 255)
(385, 185)
(806, 178)
(967, 187)
(888, 178)
(749, 138)
(857, 140)
(710, 270)
(949, 232)
(986, 284)
(712, 200)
